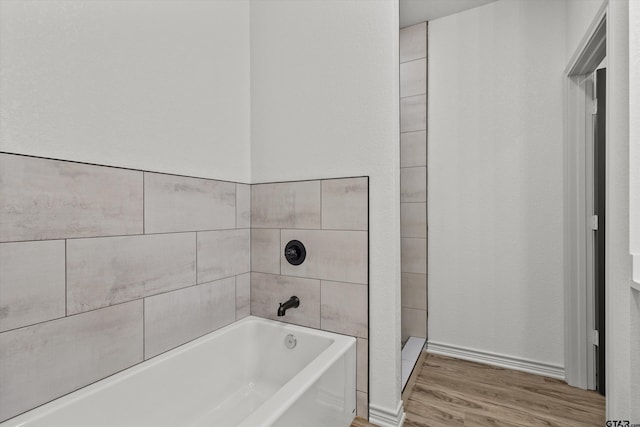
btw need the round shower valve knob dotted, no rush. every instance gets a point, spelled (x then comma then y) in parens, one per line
(295, 252)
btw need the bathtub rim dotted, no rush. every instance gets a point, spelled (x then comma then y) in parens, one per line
(268, 412)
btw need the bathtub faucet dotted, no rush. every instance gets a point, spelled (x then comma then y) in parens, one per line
(293, 302)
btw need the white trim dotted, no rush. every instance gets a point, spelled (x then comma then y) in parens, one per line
(578, 234)
(384, 417)
(589, 239)
(579, 63)
(496, 359)
(634, 144)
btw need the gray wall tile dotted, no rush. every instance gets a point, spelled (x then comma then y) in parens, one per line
(413, 220)
(413, 152)
(413, 78)
(362, 364)
(177, 203)
(414, 323)
(177, 317)
(345, 204)
(331, 255)
(49, 199)
(265, 250)
(42, 362)
(413, 42)
(243, 295)
(344, 308)
(223, 254)
(105, 271)
(414, 255)
(414, 290)
(32, 283)
(413, 149)
(286, 205)
(413, 184)
(268, 290)
(243, 206)
(413, 113)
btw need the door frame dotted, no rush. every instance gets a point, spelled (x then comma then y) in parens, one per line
(578, 241)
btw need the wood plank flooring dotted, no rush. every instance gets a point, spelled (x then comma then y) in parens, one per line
(450, 392)
(361, 422)
(455, 392)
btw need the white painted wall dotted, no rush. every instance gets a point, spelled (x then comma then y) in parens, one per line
(495, 180)
(165, 86)
(324, 91)
(579, 15)
(160, 86)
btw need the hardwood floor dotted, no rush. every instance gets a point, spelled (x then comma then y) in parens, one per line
(361, 422)
(452, 392)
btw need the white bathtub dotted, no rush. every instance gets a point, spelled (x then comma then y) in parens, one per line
(242, 375)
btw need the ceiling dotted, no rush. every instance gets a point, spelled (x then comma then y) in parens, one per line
(415, 11)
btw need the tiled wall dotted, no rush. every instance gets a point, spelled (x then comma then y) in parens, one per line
(102, 268)
(413, 179)
(330, 217)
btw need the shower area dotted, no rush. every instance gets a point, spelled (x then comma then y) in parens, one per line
(413, 192)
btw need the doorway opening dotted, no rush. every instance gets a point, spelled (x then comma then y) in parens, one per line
(585, 210)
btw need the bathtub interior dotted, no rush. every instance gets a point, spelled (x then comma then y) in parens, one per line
(217, 380)
(276, 364)
(329, 401)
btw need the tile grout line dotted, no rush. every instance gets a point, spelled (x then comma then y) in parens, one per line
(162, 233)
(196, 257)
(321, 227)
(320, 284)
(144, 202)
(413, 60)
(122, 168)
(112, 305)
(313, 278)
(313, 229)
(66, 291)
(412, 131)
(411, 96)
(320, 297)
(414, 96)
(176, 174)
(280, 254)
(144, 329)
(140, 298)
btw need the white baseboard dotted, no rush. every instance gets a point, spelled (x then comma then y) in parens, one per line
(386, 418)
(495, 359)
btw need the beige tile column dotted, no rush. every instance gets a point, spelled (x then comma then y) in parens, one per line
(413, 179)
